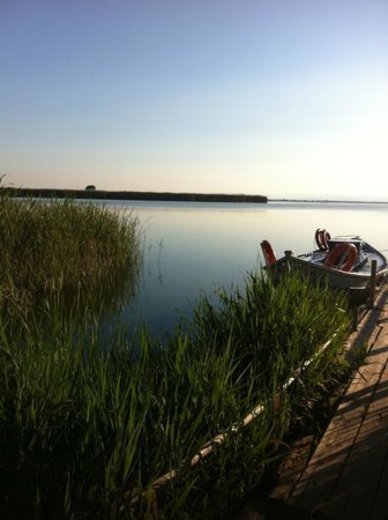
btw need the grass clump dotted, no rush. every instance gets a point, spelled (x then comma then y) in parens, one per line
(51, 248)
(85, 428)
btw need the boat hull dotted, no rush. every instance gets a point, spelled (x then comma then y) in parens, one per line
(356, 284)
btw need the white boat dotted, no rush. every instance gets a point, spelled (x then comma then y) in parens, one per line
(345, 262)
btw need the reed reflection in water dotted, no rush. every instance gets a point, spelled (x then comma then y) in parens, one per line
(193, 248)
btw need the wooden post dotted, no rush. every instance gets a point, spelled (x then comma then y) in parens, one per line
(288, 254)
(373, 284)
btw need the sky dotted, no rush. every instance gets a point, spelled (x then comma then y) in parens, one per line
(285, 98)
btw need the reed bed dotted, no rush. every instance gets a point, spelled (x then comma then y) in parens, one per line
(86, 429)
(50, 248)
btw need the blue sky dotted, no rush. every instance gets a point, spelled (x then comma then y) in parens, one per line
(284, 98)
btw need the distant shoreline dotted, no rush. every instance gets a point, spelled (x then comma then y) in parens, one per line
(133, 195)
(56, 193)
(328, 201)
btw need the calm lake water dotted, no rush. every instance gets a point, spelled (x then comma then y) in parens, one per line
(192, 248)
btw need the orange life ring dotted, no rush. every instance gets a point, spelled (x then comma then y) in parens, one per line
(321, 238)
(268, 252)
(342, 257)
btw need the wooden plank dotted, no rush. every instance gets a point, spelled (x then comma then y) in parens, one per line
(354, 494)
(379, 441)
(312, 492)
(292, 468)
(327, 463)
(366, 335)
(312, 488)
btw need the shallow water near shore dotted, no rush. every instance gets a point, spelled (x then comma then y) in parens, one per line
(191, 249)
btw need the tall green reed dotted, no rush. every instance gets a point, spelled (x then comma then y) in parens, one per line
(87, 428)
(52, 248)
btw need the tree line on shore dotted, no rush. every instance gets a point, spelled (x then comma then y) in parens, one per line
(133, 195)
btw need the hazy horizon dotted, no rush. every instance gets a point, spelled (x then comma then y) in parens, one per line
(283, 99)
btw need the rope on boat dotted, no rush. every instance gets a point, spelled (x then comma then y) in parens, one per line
(133, 496)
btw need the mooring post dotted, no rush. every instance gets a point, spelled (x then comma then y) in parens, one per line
(373, 284)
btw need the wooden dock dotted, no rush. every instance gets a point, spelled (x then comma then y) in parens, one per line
(347, 475)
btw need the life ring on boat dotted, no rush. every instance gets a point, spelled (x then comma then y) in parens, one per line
(268, 252)
(321, 238)
(342, 257)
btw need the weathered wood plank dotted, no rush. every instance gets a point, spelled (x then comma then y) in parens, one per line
(355, 491)
(293, 479)
(313, 491)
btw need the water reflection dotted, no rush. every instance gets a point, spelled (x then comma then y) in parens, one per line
(194, 248)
